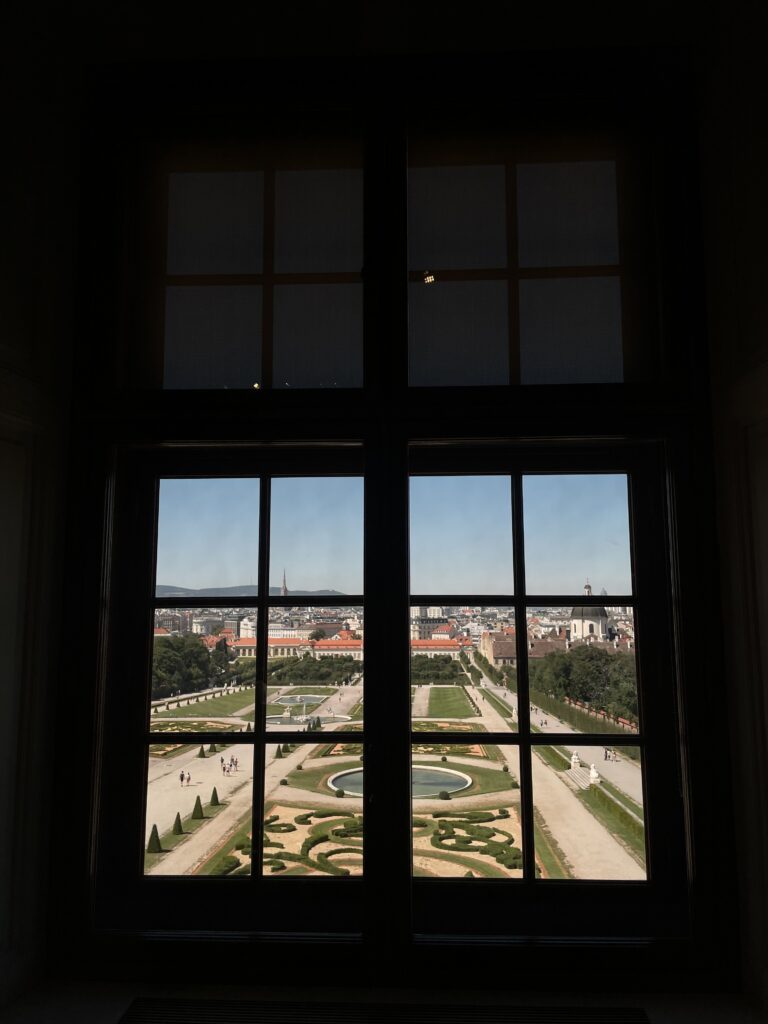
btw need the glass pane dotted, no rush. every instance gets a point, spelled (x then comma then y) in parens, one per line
(581, 665)
(208, 537)
(566, 214)
(577, 530)
(318, 341)
(458, 334)
(315, 669)
(588, 815)
(318, 221)
(461, 535)
(466, 811)
(197, 682)
(199, 809)
(463, 669)
(570, 331)
(216, 223)
(313, 811)
(456, 218)
(212, 337)
(316, 536)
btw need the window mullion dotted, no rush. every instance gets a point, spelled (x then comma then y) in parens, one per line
(523, 700)
(387, 701)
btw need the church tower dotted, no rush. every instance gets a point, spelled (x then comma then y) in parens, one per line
(284, 588)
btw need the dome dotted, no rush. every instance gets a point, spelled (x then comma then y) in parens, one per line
(589, 612)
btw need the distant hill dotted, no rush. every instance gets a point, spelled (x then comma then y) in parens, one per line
(247, 590)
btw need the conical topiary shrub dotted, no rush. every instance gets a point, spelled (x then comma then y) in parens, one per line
(153, 846)
(201, 751)
(248, 728)
(286, 749)
(197, 812)
(278, 752)
(213, 749)
(177, 829)
(214, 798)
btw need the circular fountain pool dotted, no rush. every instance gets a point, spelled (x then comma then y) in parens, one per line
(424, 781)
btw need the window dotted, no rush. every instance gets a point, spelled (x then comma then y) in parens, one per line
(358, 682)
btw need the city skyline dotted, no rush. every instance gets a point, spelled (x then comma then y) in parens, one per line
(576, 528)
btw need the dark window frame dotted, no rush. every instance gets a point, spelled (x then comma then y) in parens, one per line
(662, 415)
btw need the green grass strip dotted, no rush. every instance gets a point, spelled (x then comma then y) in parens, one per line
(505, 710)
(549, 853)
(617, 820)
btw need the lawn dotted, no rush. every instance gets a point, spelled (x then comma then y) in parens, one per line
(449, 702)
(554, 758)
(229, 704)
(504, 709)
(549, 853)
(630, 834)
(315, 779)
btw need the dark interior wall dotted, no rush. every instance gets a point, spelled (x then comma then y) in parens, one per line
(43, 100)
(734, 152)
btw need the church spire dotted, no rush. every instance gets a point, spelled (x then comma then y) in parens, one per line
(284, 588)
(587, 589)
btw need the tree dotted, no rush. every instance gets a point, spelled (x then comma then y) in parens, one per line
(278, 752)
(317, 634)
(181, 664)
(177, 829)
(201, 751)
(214, 798)
(153, 845)
(197, 810)
(213, 749)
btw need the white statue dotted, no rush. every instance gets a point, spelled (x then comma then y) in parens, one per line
(594, 775)
(575, 760)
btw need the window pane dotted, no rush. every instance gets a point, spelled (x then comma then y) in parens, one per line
(318, 221)
(581, 665)
(197, 683)
(589, 819)
(207, 537)
(313, 811)
(212, 337)
(315, 669)
(466, 811)
(458, 334)
(456, 218)
(215, 223)
(577, 530)
(316, 536)
(463, 669)
(566, 214)
(199, 802)
(461, 535)
(318, 336)
(570, 331)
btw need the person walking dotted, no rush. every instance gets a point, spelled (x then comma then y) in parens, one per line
(181, 776)
(189, 778)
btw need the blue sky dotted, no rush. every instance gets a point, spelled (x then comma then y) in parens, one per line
(576, 527)
(208, 533)
(461, 535)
